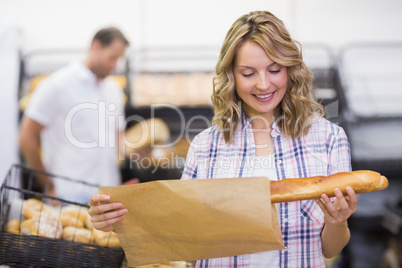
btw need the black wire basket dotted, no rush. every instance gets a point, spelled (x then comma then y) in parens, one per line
(21, 250)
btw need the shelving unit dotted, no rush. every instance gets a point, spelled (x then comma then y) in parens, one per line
(371, 82)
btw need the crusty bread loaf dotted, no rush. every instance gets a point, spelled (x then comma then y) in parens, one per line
(361, 181)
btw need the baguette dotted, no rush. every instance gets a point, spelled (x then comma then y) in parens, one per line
(361, 181)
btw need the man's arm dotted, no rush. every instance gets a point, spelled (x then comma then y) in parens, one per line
(121, 145)
(29, 142)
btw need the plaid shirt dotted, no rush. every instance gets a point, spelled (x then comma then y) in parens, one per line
(323, 151)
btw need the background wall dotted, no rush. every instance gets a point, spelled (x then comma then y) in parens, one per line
(66, 24)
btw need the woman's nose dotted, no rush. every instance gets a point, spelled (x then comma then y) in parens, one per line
(263, 82)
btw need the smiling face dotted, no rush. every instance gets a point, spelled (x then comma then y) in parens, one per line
(260, 82)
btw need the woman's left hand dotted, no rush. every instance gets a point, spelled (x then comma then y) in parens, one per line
(337, 212)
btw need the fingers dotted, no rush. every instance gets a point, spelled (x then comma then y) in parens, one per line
(101, 208)
(321, 204)
(97, 206)
(107, 211)
(105, 221)
(352, 199)
(342, 202)
(104, 214)
(96, 198)
(339, 210)
(347, 204)
(330, 207)
(102, 211)
(105, 229)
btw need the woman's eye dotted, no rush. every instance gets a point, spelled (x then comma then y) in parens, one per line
(248, 75)
(275, 71)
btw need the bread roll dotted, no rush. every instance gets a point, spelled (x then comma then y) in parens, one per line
(13, 226)
(33, 208)
(361, 181)
(106, 239)
(71, 221)
(75, 212)
(45, 225)
(77, 234)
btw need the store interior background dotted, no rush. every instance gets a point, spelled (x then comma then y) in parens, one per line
(65, 24)
(48, 25)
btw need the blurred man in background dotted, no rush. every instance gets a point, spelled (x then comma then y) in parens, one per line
(70, 126)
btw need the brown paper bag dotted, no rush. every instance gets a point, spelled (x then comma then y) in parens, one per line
(184, 220)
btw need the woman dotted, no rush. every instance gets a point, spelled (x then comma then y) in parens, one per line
(267, 123)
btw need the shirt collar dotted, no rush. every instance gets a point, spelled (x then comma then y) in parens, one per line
(245, 122)
(245, 125)
(83, 72)
(276, 131)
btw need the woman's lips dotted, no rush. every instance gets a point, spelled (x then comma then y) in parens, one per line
(264, 97)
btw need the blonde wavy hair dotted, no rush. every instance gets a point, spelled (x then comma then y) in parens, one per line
(293, 115)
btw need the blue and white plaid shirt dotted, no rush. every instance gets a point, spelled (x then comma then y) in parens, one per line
(323, 151)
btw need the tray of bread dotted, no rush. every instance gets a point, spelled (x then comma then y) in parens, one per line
(43, 231)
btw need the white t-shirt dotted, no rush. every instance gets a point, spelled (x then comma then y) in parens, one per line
(81, 118)
(264, 166)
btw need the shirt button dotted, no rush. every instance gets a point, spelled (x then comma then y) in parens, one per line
(285, 220)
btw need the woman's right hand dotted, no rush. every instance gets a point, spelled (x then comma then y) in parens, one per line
(104, 214)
